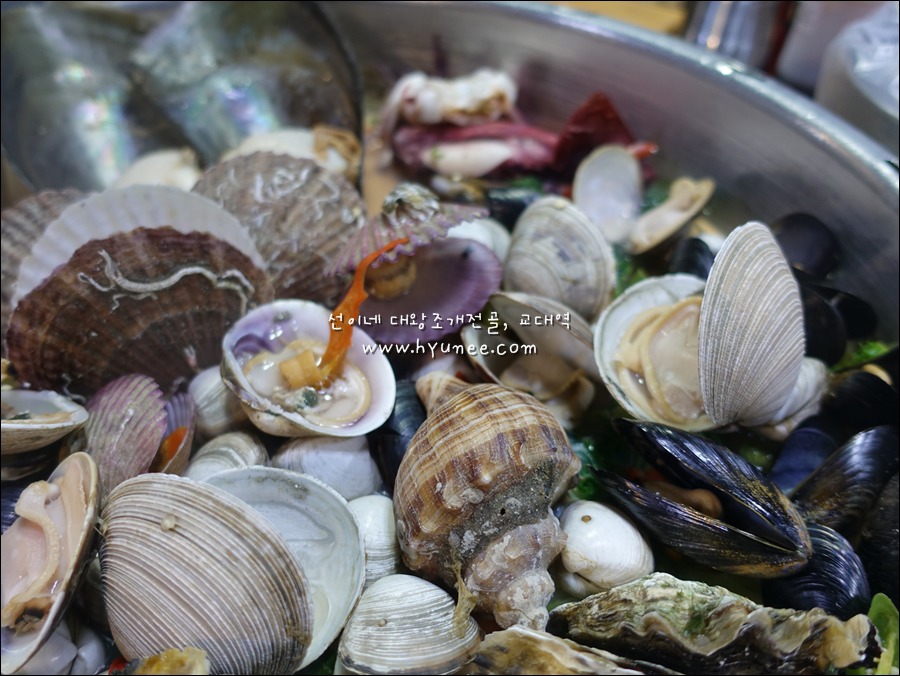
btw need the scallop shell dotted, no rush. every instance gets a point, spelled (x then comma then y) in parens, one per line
(273, 326)
(404, 624)
(122, 210)
(320, 532)
(50, 416)
(230, 585)
(299, 215)
(73, 502)
(558, 253)
(473, 495)
(129, 303)
(22, 225)
(751, 334)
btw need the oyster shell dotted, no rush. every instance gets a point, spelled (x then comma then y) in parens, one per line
(230, 585)
(695, 628)
(44, 553)
(358, 402)
(473, 495)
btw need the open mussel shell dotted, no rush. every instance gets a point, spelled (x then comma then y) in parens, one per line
(843, 490)
(833, 580)
(186, 564)
(808, 243)
(71, 116)
(33, 420)
(271, 328)
(695, 628)
(760, 533)
(321, 533)
(58, 521)
(227, 70)
(129, 303)
(298, 214)
(22, 225)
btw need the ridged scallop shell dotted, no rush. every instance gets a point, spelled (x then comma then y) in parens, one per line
(404, 624)
(73, 503)
(186, 564)
(751, 333)
(22, 225)
(151, 300)
(557, 252)
(320, 532)
(473, 495)
(298, 214)
(50, 416)
(121, 210)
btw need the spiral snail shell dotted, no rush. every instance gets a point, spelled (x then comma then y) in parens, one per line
(473, 495)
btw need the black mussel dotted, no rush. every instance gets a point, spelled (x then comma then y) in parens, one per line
(861, 400)
(760, 533)
(858, 316)
(879, 544)
(507, 204)
(842, 491)
(807, 447)
(693, 256)
(388, 443)
(807, 243)
(833, 580)
(826, 334)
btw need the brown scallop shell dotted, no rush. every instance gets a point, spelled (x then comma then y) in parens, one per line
(21, 226)
(298, 214)
(152, 301)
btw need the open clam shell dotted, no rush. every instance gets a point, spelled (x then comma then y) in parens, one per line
(44, 553)
(227, 70)
(271, 329)
(129, 303)
(321, 533)
(298, 214)
(186, 564)
(33, 420)
(71, 116)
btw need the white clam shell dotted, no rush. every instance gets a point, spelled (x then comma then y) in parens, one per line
(607, 188)
(617, 318)
(751, 333)
(186, 564)
(603, 549)
(321, 534)
(375, 515)
(122, 210)
(74, 503)
(282, 321)
(174, 167)
(231, 450)
(51, 417)
(485, 231)
(558, 253)
(218, 410)
(687, 197)
(343, 463)
(404, 624)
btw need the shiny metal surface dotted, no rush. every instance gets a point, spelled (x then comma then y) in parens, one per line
(767, 146)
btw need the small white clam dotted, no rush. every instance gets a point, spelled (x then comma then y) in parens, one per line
(343, 463)
(231, 450)
(218, 410)
(603, 549)
(32, 420)
(375, 515)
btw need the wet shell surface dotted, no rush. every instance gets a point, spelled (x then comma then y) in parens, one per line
(344, 463)
(268, 400)
(33, 420)
(44, 553)
(558, 253)
(473, 495)
(298, 214)
(320, 532)
(230, 585)
(131, 303)
(696, 628)
(231, 450)
(404, 624)
(375, 516)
